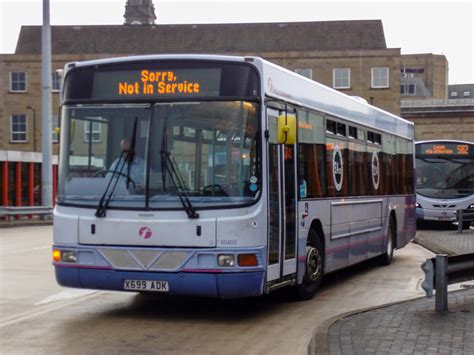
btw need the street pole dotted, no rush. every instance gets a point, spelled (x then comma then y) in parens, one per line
(46, 166)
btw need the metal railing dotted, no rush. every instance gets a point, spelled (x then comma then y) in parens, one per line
(22, 211)
(444, 270)
(464, 216)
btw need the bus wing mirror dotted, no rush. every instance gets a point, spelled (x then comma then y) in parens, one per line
(286, 129)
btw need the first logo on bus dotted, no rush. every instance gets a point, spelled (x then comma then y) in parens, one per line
(145, 232)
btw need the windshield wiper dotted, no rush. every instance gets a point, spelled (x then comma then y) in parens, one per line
(131, 152)
(104, 201)
(167, 162)
(430, 161)
(442, 157)
(179, 184)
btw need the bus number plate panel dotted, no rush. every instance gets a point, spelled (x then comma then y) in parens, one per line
(146, 285)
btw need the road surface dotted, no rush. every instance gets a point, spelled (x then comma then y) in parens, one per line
(38, 316)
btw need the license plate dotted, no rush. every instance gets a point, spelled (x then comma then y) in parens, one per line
(446, 218)
(146, 285)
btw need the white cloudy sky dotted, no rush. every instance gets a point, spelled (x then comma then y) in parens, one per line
(418, 26)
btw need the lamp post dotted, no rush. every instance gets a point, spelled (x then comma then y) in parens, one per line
(34, 126)
(46, 166)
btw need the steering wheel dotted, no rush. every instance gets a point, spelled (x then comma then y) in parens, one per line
(216, 188)
(105, 172)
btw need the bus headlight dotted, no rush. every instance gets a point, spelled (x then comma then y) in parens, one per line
(65, 256)
(68, 256)
(226, 260)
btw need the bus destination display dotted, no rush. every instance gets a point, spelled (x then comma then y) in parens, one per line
(157, 83)
(444, 149)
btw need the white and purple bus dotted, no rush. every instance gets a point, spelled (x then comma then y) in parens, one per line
(223, 177)
(444, 180)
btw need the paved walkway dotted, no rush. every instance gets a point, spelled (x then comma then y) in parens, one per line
(450, 241)
(409, 327)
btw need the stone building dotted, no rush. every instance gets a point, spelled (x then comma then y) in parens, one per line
(439, 110)
(350, 56)
(461, 91)
(441, 118)
(424, 76)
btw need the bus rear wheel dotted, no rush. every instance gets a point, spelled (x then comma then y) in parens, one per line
(314, 267)
(387, 257)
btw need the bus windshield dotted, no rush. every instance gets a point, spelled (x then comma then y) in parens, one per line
(150, 155)
(444, 177)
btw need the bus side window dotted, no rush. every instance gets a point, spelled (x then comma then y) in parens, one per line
(311, 153)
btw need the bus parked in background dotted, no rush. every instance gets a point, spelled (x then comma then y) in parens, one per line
(223, 177)
(444, 179)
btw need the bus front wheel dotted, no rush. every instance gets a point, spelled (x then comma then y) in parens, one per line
(314, 266)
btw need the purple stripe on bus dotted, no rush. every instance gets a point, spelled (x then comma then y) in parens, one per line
(349, 245)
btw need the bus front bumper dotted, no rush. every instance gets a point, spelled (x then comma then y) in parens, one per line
(424, 214)
(180, 271)
(217, 285)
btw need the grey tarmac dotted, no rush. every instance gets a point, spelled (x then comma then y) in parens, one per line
(38, 316)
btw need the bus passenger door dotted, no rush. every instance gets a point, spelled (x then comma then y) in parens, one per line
(282, 204)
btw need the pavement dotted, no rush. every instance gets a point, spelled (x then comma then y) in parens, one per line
(408, 327)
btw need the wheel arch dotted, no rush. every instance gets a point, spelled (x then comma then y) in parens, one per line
(318, 228)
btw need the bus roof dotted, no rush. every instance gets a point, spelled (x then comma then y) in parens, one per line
(286, 85)
(444, 141)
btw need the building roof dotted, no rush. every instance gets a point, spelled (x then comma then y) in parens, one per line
(411, 108)
(207, 38)
(463, 91)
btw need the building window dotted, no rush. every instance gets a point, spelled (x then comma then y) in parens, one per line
(341, 78)
(454, 93)
(18, 128)
(55, 123)
(407, 89)
(56, 82)
(466, 93)
(18, 82)
(379, 77)
(96, 131)
(306, 72)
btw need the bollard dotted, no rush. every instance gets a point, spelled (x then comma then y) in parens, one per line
(441, 277)
(460, 220)
(428, 282)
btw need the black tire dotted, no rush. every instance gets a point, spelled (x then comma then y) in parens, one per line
(387, 257)
(466, 225)
(314, 267)
(420, 224)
